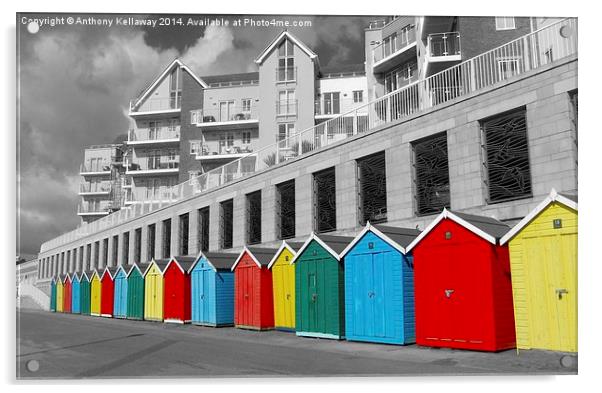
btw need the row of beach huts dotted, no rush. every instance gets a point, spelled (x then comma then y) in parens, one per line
(466, 281)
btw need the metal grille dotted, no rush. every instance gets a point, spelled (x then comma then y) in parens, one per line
(506, 155)
(372, 186)
(254, 217)
(285, 208)
(115, 251)
(431, 174)
(325, 210)
(105, 252)
(137, 245)
(151, 241)
(88, 257)
(183, 234)
(203, 228)
(226, 217)
(126, 248)
(166, 238)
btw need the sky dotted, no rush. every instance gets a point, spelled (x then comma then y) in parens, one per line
(75, 83)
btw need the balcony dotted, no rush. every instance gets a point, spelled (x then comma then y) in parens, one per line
(228, 116)
(153, 106)
(286, 108)
(394, 50)
(286, 74)
(205, 153)
(154, 136)
(103, 188)
(158, 165)
(443, 47)
(95, 169)
(94, 209)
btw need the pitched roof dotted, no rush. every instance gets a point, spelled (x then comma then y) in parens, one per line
(276, 42)
(568, 200)
(487, 228)
(399, 238)
(241, 77)
(183, 262)
(293, 247)
(219, 260)
(260, 255)
(161, 264)
(111, 270)
(331, 243)
(140, 266)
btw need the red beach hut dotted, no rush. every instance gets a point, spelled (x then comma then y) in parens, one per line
(253, 294)
(107, 292)
(67, 294)
(176, 290)
(462, 286)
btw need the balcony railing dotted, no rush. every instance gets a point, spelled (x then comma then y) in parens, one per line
(394, 43)
(95, 167)
(154, 134)
(103, 187)
(93, 208)
(286, 74)
(229, 114)
(443, 44)
(155, 105)
(335, 107)
(156, 164)
(488, 69)
(286, 108)
(206, 151)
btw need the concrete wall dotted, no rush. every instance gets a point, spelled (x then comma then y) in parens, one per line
(552, 151)
(345, 86)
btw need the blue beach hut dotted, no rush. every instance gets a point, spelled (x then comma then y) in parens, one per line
(120, 296)
(212, 289)
(76, 293)
(379, 286)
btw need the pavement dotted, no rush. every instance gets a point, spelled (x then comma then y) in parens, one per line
(70, 346)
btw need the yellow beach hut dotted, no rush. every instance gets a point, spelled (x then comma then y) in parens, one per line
(283, 282)
(95, 294)
(153, 290)
(543, 263)
(60, 293)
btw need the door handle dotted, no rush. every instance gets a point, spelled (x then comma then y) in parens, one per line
(560, 292)
(314, 296)
(202, 296)
(288, 296)
(448, 293)
(246, 295)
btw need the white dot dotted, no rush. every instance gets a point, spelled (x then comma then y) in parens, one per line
(33, 365)
(33, 27)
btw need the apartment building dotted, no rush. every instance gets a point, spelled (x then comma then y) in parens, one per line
(100, 189)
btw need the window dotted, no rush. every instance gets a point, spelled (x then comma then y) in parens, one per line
(226, 223)
(88, 257)
(254, 217)
(226, 110)
(358, 96)
(285, 131)
(80, 259)
(286, 62)
(504, 23)
(431, 174)
(286, 105)
(246, 105)
(137, 245)
(372, 188)
(332, 103)
(508, 67)
(506, 156)
(203, 229)
(173, 124)
(166, 241)
(115, 251)
(246, 137)
(150, 251)
(325, 212)
(105, 252)
(153, 130)
(285, 209)
(195, 147)
(183, 234)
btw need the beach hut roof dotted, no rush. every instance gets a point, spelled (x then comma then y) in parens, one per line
(487, 228)
(182, 262)
(261, 256)
(218, 260)
(333, 244)
(567, 200)
(398, 238)
(293, 247)
(141, 267)
(160, 263)
(111, 270)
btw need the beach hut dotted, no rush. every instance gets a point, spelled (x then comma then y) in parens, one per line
(84, 292)
(212, 289)
(543, 262)
(176, 290)
(379, 286)
(135, 293)
(283, 285)
(153, 290)
(253, 299)
(107, 289)
(76, 293)
(53, 294)
(120, 292)
(95, 293)
(462, 288)
(67, 293)
(60, 285)
(319, 287)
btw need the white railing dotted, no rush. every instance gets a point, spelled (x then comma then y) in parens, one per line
(443, 44)
(154, 134)
(227, 114)
(394, 43)
(94, 208)
(153, 163)
(104, 166)
(532, 51)
(155, 104)
(95, 187)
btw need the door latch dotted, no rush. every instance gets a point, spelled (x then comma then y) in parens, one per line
(288, 296)
(448, 293)
(560, 292)
(370, 294)
(314, 296)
